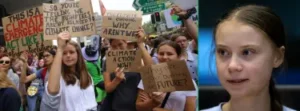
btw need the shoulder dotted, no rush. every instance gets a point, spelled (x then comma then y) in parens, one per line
(287, 109)
(216, 108)
(11, 93)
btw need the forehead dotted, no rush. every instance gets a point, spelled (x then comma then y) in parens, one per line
(5, 58)
(116, 41)
(234, 32)
(166, 48)
(181, 38)
(70, 47)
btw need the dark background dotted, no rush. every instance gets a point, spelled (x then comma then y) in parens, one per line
(289, 11)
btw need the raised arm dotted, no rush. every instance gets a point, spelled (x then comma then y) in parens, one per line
(141, 44)
(188, 23)
(55, 71)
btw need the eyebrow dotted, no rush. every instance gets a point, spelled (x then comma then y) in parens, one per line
(244, 46)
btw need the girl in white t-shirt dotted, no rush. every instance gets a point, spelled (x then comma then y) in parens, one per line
(250, 46)
(178, 100)
(69, 86)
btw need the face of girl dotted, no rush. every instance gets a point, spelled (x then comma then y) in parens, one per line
(118, 44)
(245, 58)
(70, 56)
(41, 63)
(182, 42)
(167, 53)
(48, 58)
(5, 63)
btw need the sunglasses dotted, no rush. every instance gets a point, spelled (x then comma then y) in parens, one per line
(4, 62)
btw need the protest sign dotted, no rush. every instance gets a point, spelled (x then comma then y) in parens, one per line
(74, 17)
(130, 60)
(172, 19)
(121, 24)
(23, 31)
(167, 77)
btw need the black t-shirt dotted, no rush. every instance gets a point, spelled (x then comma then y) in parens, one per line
(123, 98)
(10, 100)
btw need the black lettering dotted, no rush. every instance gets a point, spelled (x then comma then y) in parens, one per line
(81, 28)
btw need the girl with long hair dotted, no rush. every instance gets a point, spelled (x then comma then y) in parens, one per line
(69, 86)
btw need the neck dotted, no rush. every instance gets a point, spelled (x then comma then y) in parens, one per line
(260, 102)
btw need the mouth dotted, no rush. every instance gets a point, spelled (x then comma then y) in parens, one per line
(237, 81)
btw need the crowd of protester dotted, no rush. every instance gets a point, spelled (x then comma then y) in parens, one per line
(69, 77)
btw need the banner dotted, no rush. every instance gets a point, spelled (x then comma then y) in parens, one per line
(23, 31)
(172, 20)
(130, 60)
(121, 24)
(167, 77)
(74, 17)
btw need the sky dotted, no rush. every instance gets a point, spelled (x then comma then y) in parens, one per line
(119, 5)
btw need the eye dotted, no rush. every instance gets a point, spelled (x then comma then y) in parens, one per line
(222, 52)
(248, 52)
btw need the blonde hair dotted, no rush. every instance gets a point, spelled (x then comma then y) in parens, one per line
(5, 82)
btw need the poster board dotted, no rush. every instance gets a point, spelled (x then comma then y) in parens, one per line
(23, 31)
(167, 77)
(130, 60)
(172, 19)
(118, 24)
(74, 17)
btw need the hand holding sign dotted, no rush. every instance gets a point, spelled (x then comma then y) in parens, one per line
(158, 97)
(140, 35)
(62, 39)
(120, 74)
(178, 11)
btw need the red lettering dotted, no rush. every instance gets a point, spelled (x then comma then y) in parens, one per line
(8, 28)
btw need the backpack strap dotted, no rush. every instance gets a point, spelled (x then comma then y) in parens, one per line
(165, 100)
(44, 72)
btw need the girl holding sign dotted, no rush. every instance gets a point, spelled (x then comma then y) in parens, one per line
(175, 101)
(250, 47)
(69, 86)
(120, 85)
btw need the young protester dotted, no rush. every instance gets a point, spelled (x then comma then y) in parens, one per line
(10, 99)
(249, 46)
(69, 86)
(38, 80)
(177, 100)
(121, 86)
(5, 66)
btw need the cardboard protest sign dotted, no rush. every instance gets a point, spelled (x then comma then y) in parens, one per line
(74, 17)
(24, 30)
(130, 60)
(121, 24)
(167, 77)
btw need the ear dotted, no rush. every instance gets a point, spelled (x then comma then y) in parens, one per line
(278, 60)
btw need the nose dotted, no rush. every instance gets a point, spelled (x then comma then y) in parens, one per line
(234, 65)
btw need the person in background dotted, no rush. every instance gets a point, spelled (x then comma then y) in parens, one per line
(40, 64)
(187, 55)
(69, 86)
(5, 65)
(91, 55)
(131, 45)
(249, 47)
(177, 100)
(10, 99)
(120, 85)
(36, 89)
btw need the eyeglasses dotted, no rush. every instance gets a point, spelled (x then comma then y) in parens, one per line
(4, 62)
(45, 56)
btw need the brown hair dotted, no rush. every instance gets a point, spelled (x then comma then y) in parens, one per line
(80, 73)
(264, 19)
(6, 83)
(171, 44)
(175, 36)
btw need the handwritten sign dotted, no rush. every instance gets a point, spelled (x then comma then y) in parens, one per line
(130, 60)
(121, 24)
(23, 31)
(74, 17)
(167, 77)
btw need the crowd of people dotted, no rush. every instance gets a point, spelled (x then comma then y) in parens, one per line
(69, 77)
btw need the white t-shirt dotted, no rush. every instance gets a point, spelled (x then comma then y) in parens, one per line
(219, 108)
(70, 98)
(177, 99)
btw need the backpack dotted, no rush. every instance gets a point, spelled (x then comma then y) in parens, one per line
(44, 72)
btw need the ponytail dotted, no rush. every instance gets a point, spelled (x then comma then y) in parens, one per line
(276, 104)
